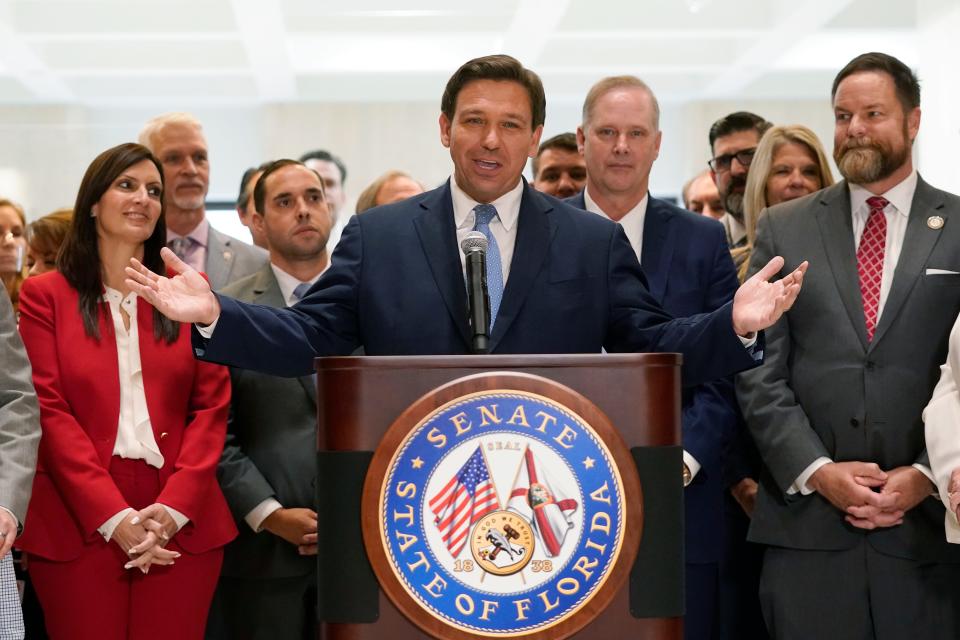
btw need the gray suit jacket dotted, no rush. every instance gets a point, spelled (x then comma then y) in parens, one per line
(19, 416)
(229, 259)
(270, 452)
(823, 390)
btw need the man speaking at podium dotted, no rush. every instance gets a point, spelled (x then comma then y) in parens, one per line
(560, 280)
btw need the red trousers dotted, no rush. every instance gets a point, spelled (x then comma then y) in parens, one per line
(93, 597)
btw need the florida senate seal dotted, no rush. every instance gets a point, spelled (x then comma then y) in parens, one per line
(500, 513)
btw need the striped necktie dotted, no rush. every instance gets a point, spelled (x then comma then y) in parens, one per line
(484, 214)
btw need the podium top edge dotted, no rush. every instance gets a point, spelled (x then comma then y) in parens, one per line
(607, 360)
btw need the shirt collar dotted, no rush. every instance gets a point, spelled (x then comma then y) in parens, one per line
(508, 205)
(112, 295)
(638, 211)
(288, 283)
(199, 234)
(900, 196)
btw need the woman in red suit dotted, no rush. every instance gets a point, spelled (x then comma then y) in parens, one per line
(127, 523)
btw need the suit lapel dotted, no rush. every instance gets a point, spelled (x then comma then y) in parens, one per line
(266, 291)
(836, 232)
(219, 259)
(657, 250)
(438, 235)
(917, 245)
(534, 233)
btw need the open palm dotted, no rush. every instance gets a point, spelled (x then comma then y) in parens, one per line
(186, 297)
(758, 303)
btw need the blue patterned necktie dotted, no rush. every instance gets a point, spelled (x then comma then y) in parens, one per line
(484, 214)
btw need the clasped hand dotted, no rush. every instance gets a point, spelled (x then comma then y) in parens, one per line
(953, 491)
(870, 497)
(143, 536)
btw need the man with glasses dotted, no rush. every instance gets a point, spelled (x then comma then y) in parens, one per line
(733, 141)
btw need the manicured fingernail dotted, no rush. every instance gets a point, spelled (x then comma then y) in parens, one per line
(135, 520)
(129, 565)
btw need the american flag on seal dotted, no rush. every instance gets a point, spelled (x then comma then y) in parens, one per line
(467, 497)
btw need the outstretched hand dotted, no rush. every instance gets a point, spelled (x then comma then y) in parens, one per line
(185, 297)
(758, 303)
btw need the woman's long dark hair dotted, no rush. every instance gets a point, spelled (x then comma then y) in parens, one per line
(79, 259)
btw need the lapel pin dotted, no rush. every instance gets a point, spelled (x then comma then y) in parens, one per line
(935, 222)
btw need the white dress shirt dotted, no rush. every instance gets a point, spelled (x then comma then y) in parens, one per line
(135, 438)
(255, 517)
(503, 227)
(897, 213)
(632, 222)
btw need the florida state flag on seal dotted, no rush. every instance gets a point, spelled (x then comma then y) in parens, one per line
(533, 496)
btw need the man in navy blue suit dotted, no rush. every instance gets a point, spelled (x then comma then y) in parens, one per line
(571, 282)
(689, 270)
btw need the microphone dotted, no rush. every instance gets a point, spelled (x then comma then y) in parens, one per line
(474, 247)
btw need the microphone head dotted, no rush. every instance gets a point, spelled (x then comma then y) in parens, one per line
(474, 241)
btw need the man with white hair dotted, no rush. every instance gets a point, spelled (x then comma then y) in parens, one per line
(177, 140)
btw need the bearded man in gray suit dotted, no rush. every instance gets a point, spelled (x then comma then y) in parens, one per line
(847, 504)
(267, 471)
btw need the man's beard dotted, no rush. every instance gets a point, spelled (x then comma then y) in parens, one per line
(733, 201)
(188, 203)
(865, 160)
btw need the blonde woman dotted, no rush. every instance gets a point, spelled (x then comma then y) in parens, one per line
(789, 163)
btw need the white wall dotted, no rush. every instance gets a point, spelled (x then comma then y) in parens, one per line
(46, 149)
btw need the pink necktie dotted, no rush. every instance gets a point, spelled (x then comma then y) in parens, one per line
(870, 261)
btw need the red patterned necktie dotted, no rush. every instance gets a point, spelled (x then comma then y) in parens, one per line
(870, 261)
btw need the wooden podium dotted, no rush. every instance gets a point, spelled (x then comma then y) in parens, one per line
(360, 397)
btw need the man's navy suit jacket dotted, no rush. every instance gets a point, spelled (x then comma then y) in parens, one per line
(396, 287)
(687, 263)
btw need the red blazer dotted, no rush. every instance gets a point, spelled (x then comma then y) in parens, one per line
(78, 384)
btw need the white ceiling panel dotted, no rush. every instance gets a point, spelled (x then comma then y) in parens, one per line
(143, 54)
(402, 53)
(153, 89)
(124, 16)
(668, 14)
(14, 92)
(287, 51)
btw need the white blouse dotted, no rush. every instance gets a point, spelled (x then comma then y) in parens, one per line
(135, 439)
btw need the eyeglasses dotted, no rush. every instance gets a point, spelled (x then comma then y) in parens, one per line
(722, 163)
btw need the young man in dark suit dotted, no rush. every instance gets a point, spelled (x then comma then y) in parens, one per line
(269, 581)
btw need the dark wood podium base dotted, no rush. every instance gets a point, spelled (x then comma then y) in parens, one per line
(360, 397)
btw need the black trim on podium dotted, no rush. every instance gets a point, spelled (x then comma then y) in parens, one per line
(662, 542)
(347, 589)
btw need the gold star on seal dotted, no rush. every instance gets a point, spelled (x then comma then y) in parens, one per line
(417, 462)
(588, 462)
